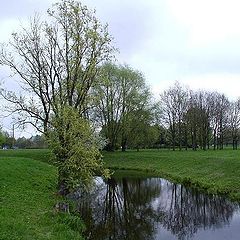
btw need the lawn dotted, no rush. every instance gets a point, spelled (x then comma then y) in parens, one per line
(27, 199)
(27, 185)
(214, 171)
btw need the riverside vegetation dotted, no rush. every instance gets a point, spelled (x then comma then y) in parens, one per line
(214, 171)
(28, 184)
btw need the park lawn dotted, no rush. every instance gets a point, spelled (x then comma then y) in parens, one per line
(214, 171)
(27, 199)
(43, 155)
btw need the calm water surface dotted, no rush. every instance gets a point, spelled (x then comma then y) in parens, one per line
(154, 208)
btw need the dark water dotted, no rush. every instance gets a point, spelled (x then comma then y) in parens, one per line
(153, 208)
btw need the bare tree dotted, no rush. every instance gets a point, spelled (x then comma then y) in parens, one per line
(219, 108)
(234, 121)
(198, 118)
(174, 102)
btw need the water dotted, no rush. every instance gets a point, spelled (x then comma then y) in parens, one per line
(154, 208)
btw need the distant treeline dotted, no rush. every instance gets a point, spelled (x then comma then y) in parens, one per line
(129, 117)
(9, 142)
(122, 107)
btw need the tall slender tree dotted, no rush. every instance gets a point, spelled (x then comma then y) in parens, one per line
(234, 121)
(174, 102)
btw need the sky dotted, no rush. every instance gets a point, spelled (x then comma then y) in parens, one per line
(195, 42)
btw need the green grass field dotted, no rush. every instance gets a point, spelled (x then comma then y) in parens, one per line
(27, 185)
(214, 171)
(27, 199)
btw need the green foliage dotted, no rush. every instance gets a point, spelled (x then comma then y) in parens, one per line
(37, 141)
(57, 61)
(27, 199)
(141, 133)
(2, 138)
(74, 222)
(76, 149)
(123, 107)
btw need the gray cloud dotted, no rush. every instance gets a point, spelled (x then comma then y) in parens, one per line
(149, 37)
(130, 23)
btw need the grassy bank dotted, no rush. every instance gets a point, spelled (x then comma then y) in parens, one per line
(27, 188)
(215, 171)
(42, 155)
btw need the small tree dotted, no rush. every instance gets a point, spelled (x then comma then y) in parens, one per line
(76, 150)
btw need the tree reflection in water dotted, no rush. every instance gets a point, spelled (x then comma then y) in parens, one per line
(135, 208)
(187, 210)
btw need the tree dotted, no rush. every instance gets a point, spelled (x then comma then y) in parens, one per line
(219, 107)
(76, 150)
(174, 103)
(198, 118)
(108, 104)
(136, 102)
(234, 122)
(37, 141)
(23, 143)
(2, 138)
(142, 132)
(121, 98)
(57, 61)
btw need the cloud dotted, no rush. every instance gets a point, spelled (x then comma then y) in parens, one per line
(194, 42)
(130, 23)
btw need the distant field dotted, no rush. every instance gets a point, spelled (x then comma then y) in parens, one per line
(215, 171)
(27, 199)
(42, 155)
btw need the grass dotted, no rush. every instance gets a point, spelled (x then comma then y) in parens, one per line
(42, 155)
(27, 185)
(214, 171)
(27, 199)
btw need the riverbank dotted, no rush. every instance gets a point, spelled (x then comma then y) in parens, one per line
(27, 184)
(27, 199)
(212, 171)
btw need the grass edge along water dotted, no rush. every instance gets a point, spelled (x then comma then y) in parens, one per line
(27, 197)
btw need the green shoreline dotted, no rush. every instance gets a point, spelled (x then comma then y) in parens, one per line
(27, 175)
(27, 200)
(215, 172)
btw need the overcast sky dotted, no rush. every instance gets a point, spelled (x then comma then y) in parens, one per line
(196, 42)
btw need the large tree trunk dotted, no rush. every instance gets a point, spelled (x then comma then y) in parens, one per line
(124, 145)
(186, 138)
(173, 133)
(110, 147)
(62, 187)
(180, 135)
(194, 139)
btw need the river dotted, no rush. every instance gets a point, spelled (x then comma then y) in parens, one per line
(125, 208)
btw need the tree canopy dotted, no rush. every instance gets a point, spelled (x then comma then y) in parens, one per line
(57, 61)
